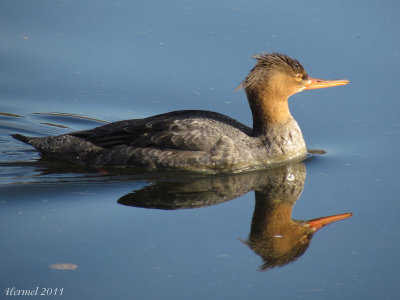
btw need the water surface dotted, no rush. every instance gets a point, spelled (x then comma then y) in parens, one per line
(72, 66)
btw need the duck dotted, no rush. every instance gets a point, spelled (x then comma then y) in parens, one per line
(200, 140)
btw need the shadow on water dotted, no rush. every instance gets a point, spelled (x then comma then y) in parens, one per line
(274, 235)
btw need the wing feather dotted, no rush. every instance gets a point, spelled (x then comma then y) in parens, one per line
(180, 130)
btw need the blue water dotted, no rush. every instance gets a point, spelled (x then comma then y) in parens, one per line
(69, 66)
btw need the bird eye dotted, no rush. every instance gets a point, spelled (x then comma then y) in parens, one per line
(299, 76)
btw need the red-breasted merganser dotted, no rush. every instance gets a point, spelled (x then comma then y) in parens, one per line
(199, 140)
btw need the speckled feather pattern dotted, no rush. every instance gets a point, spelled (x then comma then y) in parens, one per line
(191, 140)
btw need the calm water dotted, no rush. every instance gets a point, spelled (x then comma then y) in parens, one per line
(73, 65)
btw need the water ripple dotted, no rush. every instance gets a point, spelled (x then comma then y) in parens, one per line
(18, 161)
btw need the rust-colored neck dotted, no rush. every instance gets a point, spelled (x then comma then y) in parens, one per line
(270, 216)
(268, 108)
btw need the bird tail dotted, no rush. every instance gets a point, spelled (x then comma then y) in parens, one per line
(38, 142)
(21, 138)
(60, 145)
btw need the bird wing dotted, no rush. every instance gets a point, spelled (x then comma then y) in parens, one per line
(182, 130)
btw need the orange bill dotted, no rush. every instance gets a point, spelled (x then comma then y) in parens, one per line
(316, 83)
(321, 222)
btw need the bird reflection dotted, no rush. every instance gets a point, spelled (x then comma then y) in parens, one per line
(274, 235)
